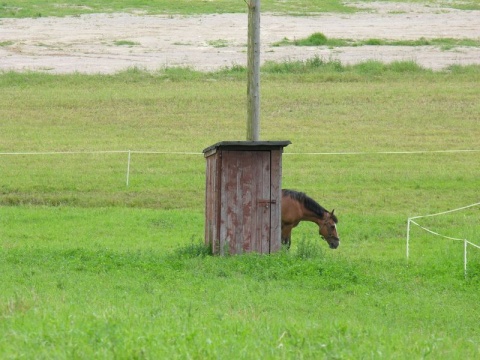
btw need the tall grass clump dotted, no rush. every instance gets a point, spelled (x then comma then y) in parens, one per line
(334, 70)
(464, 69)
(316, 39)
(373, 67)
(196, 248)
(400, 67)
(314, 64)
(309, 249)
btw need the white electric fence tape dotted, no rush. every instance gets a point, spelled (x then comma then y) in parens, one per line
(465, 241)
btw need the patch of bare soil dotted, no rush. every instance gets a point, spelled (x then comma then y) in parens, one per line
(108, 43)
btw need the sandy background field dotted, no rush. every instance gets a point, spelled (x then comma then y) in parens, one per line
(92, 43)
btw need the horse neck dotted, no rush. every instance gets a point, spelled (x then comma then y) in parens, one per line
(309, 215)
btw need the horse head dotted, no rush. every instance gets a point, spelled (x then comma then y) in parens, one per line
(328, 229)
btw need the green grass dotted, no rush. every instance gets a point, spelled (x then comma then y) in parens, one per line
(125, 43)
(92, 268)
(319, 39)
(141, 111)
(461, 5)
(219, 43)
(82, 302)
(43, 8)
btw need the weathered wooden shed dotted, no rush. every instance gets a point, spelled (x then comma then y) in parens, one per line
(243, 196)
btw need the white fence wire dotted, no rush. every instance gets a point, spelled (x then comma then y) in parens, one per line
(130, 152)
(409, 222)
(200, 153)
(466, 242)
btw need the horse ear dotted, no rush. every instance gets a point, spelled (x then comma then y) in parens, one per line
(332, 211)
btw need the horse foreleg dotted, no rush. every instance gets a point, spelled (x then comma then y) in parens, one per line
(286, 235)
(287, 241)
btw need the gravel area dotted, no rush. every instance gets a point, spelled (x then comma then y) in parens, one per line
(108, 43)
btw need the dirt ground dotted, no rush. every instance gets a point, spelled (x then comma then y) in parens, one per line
(93, 43)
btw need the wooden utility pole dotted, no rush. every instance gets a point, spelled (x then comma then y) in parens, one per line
(253, 90)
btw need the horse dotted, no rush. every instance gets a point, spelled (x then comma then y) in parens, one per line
(296, 207)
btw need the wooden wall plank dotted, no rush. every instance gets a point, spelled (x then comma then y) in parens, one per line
(276, 196)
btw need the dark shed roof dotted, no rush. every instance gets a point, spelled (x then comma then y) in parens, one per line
(245, 145)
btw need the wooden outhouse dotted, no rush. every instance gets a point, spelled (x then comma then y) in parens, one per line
(243, 196)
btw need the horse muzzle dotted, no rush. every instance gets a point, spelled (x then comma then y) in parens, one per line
(333, 242)
(333, 245)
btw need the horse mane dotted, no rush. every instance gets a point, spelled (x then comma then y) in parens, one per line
(308, 202)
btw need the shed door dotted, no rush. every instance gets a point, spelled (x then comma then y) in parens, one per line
(246, 202)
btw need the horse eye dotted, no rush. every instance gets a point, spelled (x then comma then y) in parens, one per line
(332, 227)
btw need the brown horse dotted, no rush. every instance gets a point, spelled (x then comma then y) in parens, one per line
(296, 207)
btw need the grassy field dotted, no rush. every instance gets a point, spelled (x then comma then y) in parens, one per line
(92, 268)
(42, 8)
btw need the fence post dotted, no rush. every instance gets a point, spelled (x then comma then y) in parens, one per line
(408, 236)
(128, 166)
